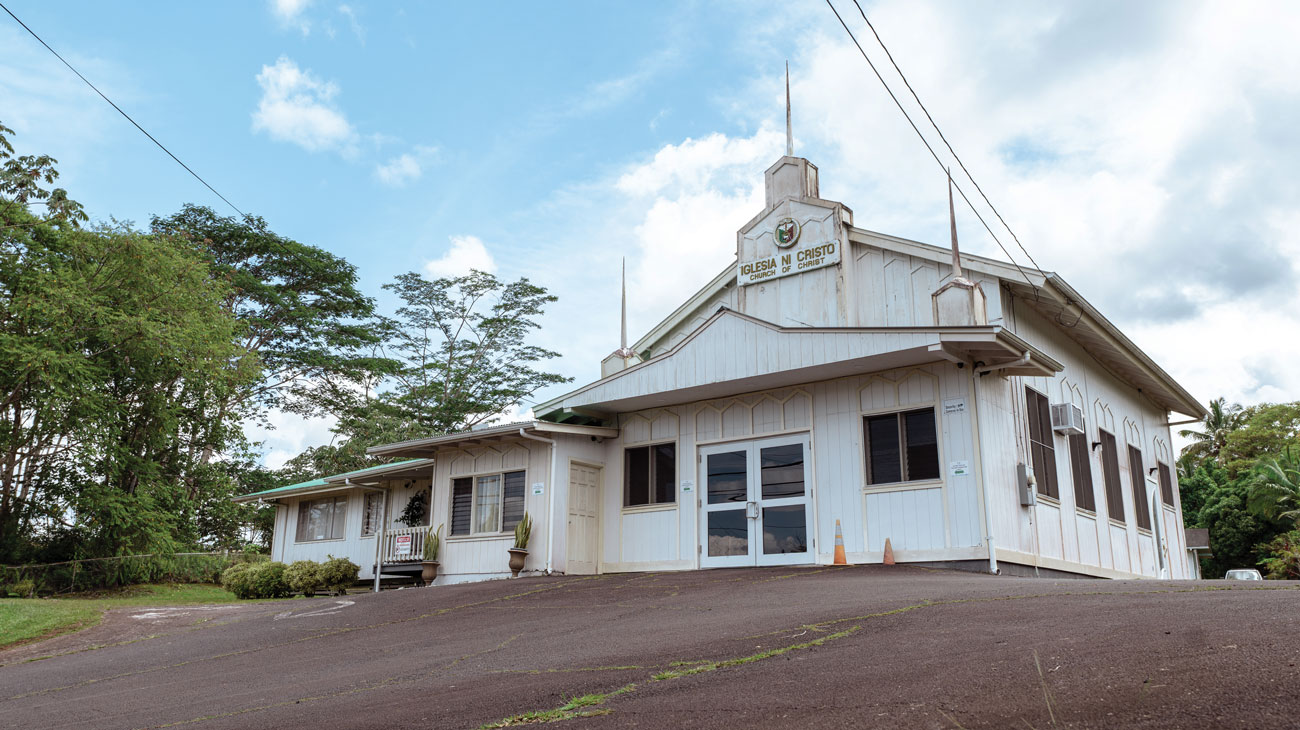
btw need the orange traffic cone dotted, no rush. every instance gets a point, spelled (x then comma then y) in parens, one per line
(889, 553)
(840, 559)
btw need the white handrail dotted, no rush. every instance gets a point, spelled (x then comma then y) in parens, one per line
(413, 554)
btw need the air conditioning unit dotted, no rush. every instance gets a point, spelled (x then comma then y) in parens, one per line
(1067, 418)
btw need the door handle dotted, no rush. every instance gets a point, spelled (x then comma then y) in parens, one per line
(751, 510)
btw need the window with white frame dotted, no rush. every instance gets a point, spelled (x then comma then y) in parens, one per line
(650, 475)
(322, 519)
(487, 504)
(901, 447)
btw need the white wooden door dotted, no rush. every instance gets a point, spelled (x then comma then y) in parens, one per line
(584, 511)
(754, 503)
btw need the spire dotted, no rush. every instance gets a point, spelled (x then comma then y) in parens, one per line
(622, 350)
(622, 335)
(952, 220)
(789, 134)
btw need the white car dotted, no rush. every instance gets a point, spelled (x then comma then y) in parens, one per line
(1243, 574)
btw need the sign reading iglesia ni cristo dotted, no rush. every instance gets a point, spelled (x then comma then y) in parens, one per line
(796, 260)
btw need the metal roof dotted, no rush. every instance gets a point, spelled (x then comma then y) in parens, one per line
(340, 481)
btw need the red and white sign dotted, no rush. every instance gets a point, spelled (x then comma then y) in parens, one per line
(402, 544)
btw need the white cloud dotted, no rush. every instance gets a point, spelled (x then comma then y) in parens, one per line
(290, 14)
(406, 167)
(348, 12)
(288, 435)
(297, 107)
(466, 252)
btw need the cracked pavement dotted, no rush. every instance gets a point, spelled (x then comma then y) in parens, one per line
(771, 647)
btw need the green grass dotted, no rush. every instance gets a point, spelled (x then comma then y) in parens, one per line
(27, 619)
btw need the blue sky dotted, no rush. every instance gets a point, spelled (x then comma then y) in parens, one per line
(1142, 150)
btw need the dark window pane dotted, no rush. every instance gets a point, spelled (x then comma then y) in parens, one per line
(512, 505)
(1138, 480)
(1042, 443)
(304, 516)
(665, 473)
(922, 445)
(728, 532)
(1166, 484)
(782, 471)
(726, 473)
(1081, 469)
(636, 476)
(1110, 472)
(884, 462)
(784, 530)
(462, 501)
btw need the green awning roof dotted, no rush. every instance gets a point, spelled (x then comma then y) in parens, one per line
(333, 480)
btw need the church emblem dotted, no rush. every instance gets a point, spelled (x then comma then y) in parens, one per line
(786, 233)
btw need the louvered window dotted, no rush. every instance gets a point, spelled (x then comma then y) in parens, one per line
(1042, 446)
(1110, 472)
(1137, 479)
(487, 504)
(1166, 484)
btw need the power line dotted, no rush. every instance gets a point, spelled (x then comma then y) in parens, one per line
(928, 147)
(124, 114)
(902, 76)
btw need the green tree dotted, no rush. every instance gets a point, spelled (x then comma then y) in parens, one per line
(1263, 431)
(462, 347)
(1237, 533)
(1276, 493)
(1222, 420)
(303, 322)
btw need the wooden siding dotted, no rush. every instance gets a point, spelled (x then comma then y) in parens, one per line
(1088, 538)
(476, 557)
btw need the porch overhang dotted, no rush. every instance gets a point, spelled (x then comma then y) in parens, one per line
(371, 476)
(732, 353)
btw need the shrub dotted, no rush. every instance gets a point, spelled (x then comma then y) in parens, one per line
(268, 580)
(338, 574)
(303, 577)
(257, 580)
(235, 579)
(1283, 561)
(21, 589)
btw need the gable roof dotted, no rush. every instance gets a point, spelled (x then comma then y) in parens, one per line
(1091, 330)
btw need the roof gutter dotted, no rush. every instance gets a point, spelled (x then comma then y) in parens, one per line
(550, 497)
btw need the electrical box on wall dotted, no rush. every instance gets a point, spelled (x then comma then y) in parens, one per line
(1026, 485)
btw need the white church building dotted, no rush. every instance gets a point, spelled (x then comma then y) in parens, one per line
(970, 412)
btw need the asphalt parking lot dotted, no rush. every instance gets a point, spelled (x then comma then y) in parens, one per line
(817, 647)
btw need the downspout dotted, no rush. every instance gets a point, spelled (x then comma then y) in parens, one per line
(979, 467)
(381, 535)
(550, 499)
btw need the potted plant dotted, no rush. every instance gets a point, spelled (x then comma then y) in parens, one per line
(429, 565)
(523, 531)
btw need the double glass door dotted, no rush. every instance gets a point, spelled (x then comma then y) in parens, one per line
(754, 498)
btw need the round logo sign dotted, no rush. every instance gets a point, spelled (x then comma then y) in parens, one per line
(786, 233)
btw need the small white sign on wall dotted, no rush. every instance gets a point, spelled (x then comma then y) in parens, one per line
(539, 488)
(959, 468)
(688, 485)
(402, 544)
(954, 407)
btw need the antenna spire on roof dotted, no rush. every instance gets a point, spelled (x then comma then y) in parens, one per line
(622, 337)
(789, 134)
(952, 221)
(623, 350)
